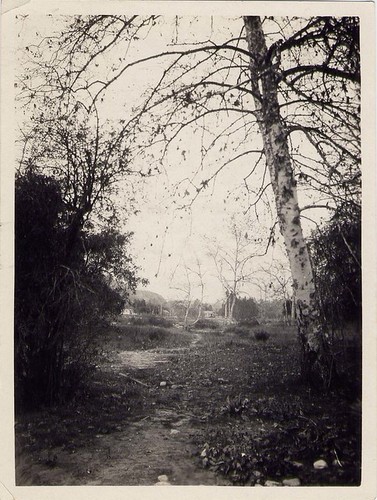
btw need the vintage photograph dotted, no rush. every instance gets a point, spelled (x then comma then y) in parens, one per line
(187, 249)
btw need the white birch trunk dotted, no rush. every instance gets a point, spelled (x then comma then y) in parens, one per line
(275, 142)
(185, 322)
(232, 299)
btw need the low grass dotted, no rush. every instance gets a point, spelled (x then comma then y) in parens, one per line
(206, 324)
(142, 337)
(150, 320)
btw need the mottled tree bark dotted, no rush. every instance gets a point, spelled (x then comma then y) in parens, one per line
(316, 364)
(232, 300)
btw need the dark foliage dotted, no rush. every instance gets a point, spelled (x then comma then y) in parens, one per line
(206, 324)
(261, 335)
(245, 309)
(288, 451)
(151, 320)
(336, 254)
(143, 307)
(249, 322)
(64, 288)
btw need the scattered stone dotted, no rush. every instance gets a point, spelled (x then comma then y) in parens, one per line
(163, 384)
(272, 483)
(299, 465)
(320, 464)
(204, 452)
(294, 481)
(163, 478)
(223, 380)
(174, 431)
(179, 423)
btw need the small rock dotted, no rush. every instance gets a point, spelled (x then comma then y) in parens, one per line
(320, 464)
(299, 465)
(294, 481)
(174, 431)
(163, 478)
(272, 483)
(163, 384)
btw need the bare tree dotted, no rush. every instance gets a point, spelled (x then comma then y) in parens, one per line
(193, 280)
(278, 281)
(232, 261)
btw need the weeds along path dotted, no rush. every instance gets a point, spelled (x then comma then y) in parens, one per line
(155, 444)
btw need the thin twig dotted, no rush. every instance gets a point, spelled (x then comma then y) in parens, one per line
(133, 379)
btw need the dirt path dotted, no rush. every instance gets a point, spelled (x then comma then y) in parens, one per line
(156, 449)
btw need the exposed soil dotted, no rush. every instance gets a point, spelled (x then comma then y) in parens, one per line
(189, 415)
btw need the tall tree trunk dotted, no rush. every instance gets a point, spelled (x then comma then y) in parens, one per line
(200, 307)
(185, 321)
(316, 365)
(232, 298)
(226, 307)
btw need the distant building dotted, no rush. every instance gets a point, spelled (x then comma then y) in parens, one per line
(208, 314)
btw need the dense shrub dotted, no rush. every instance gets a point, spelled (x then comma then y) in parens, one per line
(240, 331)
(206, 324)
(136, 337)
(249, 322)
(151, 320)
(261, 335)
(160, 321)
(62, 290)
(336, 254)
